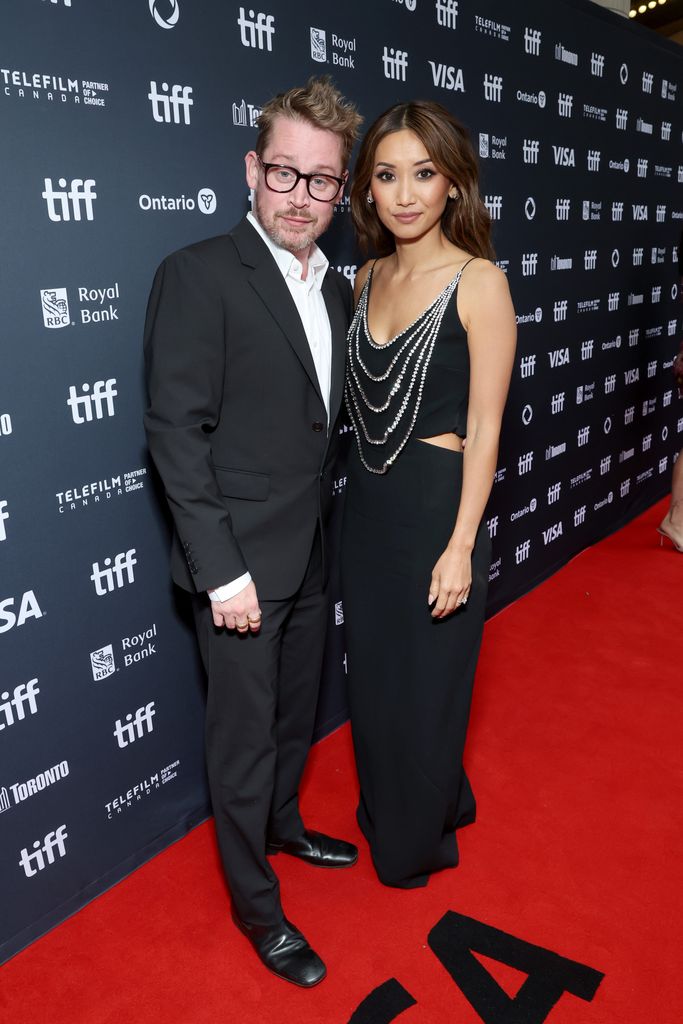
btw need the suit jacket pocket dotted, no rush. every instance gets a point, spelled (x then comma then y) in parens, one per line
(240, 483)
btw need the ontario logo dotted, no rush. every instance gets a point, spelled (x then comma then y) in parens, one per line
(102, 663)
(55, 305)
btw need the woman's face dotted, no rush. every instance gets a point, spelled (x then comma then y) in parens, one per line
(410, 194)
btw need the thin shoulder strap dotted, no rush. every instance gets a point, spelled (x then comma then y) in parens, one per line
(471, 260)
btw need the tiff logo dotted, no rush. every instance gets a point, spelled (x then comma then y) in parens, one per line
(23, 699)
(446, 13)
(617, 211)
(525, 462)
(557, 403)
(112, 576)
(648, 79)
(587, 349)
(590, 258)
(580, 516)
(532, 41)
(613, 301)
(492, 526)
(395, 63)
(529, 263)
(102, 398)
(629, 413)
(4, 514)
(661, 213)
(605, 465)
(671, 327)
(656, 293)
(633, 336)
(641, 170)
(597, 64)
(637, 256)
(621, 118)
(562, 209)
(527, 365)
(167, 107)
(493, 88)
(624, 488)
(522, 551)
(610, 383)
(564, 104)
(257, 30)
(652, 368)
(530, 148)
(593, 159)
(647, 442)
(69, 199)
(554, 492)
(494, 204)
(134, 728)
(560, 310)
(582, 436)
(45, 852)
(666, 130)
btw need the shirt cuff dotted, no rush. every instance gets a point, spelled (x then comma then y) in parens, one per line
(232, 589)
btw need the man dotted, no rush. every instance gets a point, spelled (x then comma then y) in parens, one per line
(244, 344)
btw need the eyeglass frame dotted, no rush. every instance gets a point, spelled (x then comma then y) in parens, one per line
(306, 177)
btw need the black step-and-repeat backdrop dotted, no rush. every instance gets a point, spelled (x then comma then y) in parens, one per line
(124, 126)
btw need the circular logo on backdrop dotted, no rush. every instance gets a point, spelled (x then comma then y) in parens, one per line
(527, 415)
(623, 74)
(411, 4)
(533, 505)
(615, 257)
(165, 12)
(530, 208)
(674, 291)
(665, 433)
(538, 314)
(607, 425)
(627, 164)
(541, 99)
(206, 200)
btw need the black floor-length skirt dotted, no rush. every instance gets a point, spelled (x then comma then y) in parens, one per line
(410, 677)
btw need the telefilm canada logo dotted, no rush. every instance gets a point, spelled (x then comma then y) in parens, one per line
(53, 88)
(99, 492)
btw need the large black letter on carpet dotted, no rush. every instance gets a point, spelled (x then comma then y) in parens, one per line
(383, 1005)
(549, 975)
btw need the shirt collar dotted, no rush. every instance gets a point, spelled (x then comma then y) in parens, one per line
(287, 262)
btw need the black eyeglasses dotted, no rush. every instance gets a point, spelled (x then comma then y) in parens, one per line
(323, 187)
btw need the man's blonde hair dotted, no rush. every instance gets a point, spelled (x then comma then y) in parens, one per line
(321, 104)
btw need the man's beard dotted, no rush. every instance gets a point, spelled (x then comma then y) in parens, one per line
(292, 241)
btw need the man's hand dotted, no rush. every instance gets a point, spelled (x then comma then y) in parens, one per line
(241, 612)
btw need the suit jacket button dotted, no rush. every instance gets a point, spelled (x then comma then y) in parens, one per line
(317, 426)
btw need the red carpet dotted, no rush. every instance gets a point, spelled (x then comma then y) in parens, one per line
(574, 755)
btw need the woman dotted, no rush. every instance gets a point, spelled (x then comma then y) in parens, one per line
(431, 351)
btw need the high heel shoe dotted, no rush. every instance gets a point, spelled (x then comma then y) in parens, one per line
(677, 541)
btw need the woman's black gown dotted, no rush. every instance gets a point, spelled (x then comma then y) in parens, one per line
(410, 677)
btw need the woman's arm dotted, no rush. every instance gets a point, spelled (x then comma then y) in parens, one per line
(487, 314)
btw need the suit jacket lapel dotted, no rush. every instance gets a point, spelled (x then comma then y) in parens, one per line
(269, 285)
(339, 326)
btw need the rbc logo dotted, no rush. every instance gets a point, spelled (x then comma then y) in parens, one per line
(111, 577)
(55, 304)
(69, 200)
(82, 406)
(319, 45)
(102, 663)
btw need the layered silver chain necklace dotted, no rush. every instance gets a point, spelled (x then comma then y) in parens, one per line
(398, 385)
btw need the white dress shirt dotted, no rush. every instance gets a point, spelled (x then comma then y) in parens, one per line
(310, 304)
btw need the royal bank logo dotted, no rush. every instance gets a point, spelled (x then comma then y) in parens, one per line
(447, 13)
(165, 12)
(170, 104)
(55, 306)
(45, 852)
(114, 575)
(244, 114)
(70, 200)
(669, 90)
(395, 63)
(102, 663)
(257, 30)
(319, 45)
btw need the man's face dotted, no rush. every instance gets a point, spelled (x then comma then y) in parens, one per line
(293, 219)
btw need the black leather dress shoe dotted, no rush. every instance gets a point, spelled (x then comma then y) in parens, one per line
(319, 849)
(284, 951)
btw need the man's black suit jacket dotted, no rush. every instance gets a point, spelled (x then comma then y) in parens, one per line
(236, 423)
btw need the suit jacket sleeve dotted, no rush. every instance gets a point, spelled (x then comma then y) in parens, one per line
(185, 363)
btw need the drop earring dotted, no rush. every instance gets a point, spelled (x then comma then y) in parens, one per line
(453, 193)
(369, 198)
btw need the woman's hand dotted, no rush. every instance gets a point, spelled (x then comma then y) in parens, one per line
(451, 581)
